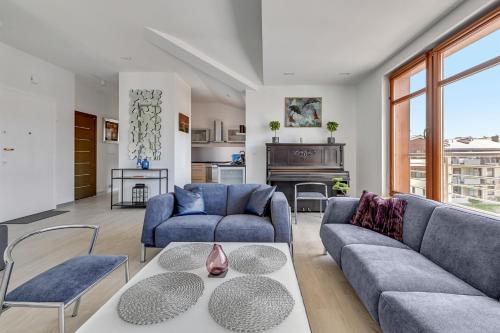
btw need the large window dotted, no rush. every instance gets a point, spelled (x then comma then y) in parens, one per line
(445, 120)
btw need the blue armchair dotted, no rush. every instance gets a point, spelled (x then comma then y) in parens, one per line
(225, 221)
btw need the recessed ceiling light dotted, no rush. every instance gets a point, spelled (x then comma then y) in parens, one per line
(344, 73)
(126, 58)
(288, 73)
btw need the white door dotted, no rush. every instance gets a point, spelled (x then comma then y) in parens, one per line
(27, 151)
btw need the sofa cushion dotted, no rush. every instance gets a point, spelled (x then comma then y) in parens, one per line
(214, 196)
(373, 269)
(365, 214)
(417, 312)
(384, 216)
(417, 214)
(336, 236)
(238, 196)
(244, 228)
(188, 202)
(62, 283)
(466, 244)
(259, 201)
(188, 228)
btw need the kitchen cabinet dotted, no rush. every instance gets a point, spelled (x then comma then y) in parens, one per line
(198, 173)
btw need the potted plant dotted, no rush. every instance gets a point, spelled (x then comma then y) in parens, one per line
(275, 126)
(332, 127)
(340, 188)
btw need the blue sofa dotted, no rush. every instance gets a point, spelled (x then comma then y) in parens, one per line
(226, 220)
(3, 243)
(443, 277)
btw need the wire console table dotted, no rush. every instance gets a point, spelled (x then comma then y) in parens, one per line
(161, 175)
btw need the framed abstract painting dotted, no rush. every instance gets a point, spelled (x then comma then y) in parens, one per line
(303, 111)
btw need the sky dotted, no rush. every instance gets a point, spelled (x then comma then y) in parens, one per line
(471, 105)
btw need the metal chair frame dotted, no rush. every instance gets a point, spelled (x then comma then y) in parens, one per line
(9, 265)
(296, 198)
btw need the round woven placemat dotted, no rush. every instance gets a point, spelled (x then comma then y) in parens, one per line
(185, 257)
(160, 297)
(256, 259)
(250, 304)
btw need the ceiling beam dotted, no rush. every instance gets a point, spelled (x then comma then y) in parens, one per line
(197, 59)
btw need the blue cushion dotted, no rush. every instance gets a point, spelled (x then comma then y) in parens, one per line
(467, 244)
(311, 195)
(373, 269)
(244, 228)
(62, 283)
(335, 236)
(188, 202)
(438, 313)
(214, 196)
(259, 200)
(238, 196)
(418, 211)
(188, 228)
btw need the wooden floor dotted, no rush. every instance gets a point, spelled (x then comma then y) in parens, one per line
(332, 305)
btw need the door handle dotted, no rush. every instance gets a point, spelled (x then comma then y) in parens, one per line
(8, 149)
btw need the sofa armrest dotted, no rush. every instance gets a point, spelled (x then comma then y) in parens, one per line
(281, 218)
(340, 210)
(158, 209)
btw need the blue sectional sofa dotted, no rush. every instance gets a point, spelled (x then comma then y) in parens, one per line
(443, 277)
(3, 243)
(226, 220)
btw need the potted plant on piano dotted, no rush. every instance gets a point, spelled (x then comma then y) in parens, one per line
(275, 126)
(340, 187)
(332, 126)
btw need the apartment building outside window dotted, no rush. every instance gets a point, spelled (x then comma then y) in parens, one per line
(445, 120)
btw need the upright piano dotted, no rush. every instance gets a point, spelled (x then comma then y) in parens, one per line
(290, 163)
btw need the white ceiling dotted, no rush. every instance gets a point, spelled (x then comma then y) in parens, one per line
(90, 37)
(315, 39)
(320, 39)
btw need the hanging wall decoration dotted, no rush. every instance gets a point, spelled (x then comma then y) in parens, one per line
(144, 124)
(303, 111)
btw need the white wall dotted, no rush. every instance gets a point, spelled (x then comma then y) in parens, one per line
(267, 104)
(102, 101)
(182, 104)
(204, 115)
(175, 146)
(57, 84)
(373, 101)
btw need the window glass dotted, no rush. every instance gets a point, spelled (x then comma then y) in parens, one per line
(471, 145)
(471, 55)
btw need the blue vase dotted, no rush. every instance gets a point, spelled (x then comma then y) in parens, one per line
(145, 164)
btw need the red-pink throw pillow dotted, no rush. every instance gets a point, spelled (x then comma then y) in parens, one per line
(384, 216)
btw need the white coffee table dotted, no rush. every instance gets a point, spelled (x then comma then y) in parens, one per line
(197, 318)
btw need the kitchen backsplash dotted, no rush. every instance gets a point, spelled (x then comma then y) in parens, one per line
(214, 154)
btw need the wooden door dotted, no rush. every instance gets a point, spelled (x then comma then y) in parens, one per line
(85, 155)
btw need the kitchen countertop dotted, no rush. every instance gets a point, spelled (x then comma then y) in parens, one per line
(231, 165)
(222, 164)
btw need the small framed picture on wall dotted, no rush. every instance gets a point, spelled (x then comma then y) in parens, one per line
(183, 123)
(110, 131)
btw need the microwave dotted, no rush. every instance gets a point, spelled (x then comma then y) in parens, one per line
(200, 135)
